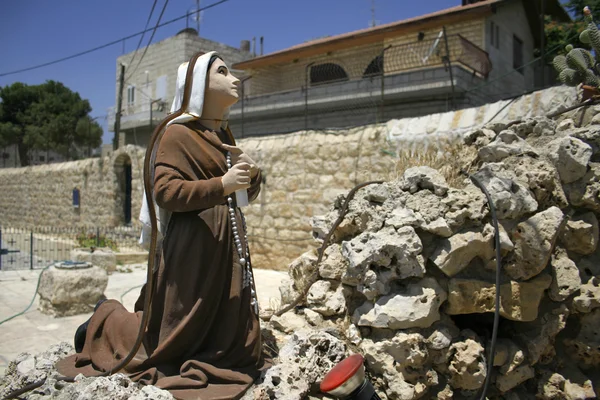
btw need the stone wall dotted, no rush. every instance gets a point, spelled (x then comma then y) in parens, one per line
(303, 171)
(42, 195)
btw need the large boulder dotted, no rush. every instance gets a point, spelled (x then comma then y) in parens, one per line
(417, 306)
(69, 291)
(102, 257)
(519, 301)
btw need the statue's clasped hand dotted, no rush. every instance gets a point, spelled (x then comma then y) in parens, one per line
(238, 156)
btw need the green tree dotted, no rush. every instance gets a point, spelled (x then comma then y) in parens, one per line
(45, 117)
(89, 135)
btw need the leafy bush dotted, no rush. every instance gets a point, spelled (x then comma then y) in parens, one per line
(91, 240)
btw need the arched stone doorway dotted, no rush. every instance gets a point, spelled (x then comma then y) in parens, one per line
(122, 168)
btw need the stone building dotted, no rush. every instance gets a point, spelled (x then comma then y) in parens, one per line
(464, 56)
(149, 87)
(9, 157)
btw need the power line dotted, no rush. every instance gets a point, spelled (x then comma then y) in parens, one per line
(186, 15)
(149, 41)
(145, 28)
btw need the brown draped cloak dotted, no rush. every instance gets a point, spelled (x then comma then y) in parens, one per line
(203, 339)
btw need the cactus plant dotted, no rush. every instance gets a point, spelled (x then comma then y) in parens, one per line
(579, 66)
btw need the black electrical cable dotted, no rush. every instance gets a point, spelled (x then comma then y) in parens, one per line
(492, 351)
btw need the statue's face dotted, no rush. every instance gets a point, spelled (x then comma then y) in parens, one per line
(222, 85)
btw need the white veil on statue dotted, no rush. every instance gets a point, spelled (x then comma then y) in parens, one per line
(194, 111)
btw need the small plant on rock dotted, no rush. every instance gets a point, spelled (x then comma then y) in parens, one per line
(579, 66)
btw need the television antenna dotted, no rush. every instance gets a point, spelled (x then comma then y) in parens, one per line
(196, 14)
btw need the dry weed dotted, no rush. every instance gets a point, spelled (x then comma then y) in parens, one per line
(447, 155)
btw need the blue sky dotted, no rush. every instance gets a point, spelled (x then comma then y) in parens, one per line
(38, 31)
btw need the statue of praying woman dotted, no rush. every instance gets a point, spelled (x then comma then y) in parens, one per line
(203, 339)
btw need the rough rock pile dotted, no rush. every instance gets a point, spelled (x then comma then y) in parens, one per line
(409, 278)
(408, 281)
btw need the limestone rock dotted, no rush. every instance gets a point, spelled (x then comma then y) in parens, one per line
(570, 156)
(429, 206)
(588, 134)
(117, 386)
(565, 125)
(66, 292)
(581, 234)
(401, 360)
(398, 250)
(565, 276)
(511, 198)
(536, 126)
(504, 383)
(519, 301)
(327, 302)
(402, 216)
(589, 298)
(542, 179)
(28, 368)
(288, 292)
(440, 339)
(313, 317)
(585, 348)
(506, 144)
(554, 386)
(539, 336)
(455, 253)
(288, 322)
(534, 240)
(467, 365)
(479, 137)
(586, 191)
(418, 178)
(416, 306)
(333, 264)
(101, 257)
(304, 361)
(496, 126)
(464, 206)
(303, 270)
(515, 356)
(353, 334)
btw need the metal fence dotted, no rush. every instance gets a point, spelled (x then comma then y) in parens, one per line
(22, 248)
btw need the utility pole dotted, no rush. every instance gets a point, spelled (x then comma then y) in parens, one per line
(119, 108)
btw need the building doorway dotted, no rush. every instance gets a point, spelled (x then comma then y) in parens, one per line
(123, 192)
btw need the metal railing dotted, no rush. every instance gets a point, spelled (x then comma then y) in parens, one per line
(31, 248)
(361, 90)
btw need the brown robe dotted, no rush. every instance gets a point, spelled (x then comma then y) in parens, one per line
(203, 339)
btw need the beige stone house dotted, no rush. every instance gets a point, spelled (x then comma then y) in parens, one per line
(471, 54)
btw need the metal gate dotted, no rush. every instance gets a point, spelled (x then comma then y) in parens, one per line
(22, 249)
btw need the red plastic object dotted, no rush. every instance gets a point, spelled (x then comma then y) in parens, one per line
(341, 373)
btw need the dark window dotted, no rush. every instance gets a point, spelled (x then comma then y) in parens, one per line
(42, 158)
(517, 54)
(494, 35)
(5, 155)
(328, 72)
(375, 67)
